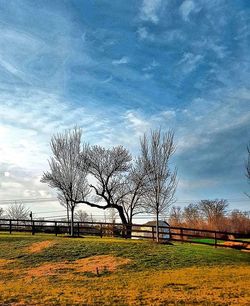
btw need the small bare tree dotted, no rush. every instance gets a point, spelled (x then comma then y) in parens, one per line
(82, 216)
(156, 151)
(17, 211)
(68, 169)
(176, 216)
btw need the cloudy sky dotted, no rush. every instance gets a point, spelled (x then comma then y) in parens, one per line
(118, 69)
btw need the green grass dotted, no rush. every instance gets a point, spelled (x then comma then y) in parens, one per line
(144, 254)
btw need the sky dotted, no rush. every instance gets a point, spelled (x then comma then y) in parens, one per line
(118, 69)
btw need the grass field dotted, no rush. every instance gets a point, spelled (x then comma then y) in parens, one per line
(47, 270)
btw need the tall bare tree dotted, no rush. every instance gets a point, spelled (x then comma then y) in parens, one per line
(156, 151)
(68, 169)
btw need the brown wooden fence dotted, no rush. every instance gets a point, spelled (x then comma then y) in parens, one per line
(136, 231)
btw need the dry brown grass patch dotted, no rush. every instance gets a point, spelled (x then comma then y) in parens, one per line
(237, 245)
(90, 264)
(4, 262)
(110, 263)
(38, 247)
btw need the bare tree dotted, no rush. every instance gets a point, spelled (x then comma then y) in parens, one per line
(239, 221)
(82, 216)
(175, 216)
(213, 211)
(68, 169)
(107, 167)
(1, 211)
(156, 151)
(191, 215)
(18, 211)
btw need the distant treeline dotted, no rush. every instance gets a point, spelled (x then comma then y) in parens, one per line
(211, 214)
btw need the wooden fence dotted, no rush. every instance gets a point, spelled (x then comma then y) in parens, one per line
(135, 231)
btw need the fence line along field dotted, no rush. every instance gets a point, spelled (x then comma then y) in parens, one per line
(136, 231)
(45, 269)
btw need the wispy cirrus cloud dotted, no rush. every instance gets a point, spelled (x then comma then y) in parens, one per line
(121, 61)
(149, 10)
(174, 64)
(186, 8)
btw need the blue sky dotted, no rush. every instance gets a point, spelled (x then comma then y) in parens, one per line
(118, 69)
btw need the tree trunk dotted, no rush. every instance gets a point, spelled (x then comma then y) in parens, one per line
(128, 230)
(157, 226)
(68, 217)
(122, 215)
(72, 222)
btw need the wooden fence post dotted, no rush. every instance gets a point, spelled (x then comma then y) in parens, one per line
(56, 228)
(10, 227)
(153, 233)
(215, 240)
(33, 227)
(101, 230)
(78, 229)
(181, 235)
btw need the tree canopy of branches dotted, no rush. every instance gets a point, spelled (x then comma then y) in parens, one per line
(68, 169)
(192, 215)
(213, 211)
(117, 182)
(156, 152)
(108, 166)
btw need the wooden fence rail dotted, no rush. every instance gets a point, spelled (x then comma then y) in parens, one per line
(135, 231)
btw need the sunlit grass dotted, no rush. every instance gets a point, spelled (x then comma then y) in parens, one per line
(150, 274)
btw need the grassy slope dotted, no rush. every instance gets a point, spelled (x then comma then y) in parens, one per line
(157, 274)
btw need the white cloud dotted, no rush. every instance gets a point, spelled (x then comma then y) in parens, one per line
(170, 114)
(122, 60)
(189, 62)
(149, 10)
(154, 64)
(186, 8)
(138, 124)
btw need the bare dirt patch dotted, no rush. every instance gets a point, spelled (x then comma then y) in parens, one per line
(90, 264)
(38, 247)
